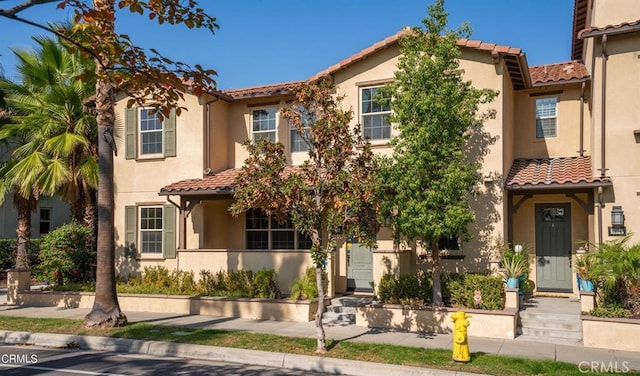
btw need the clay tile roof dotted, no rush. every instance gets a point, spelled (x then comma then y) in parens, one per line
(553, 173)
(220, 183)
(624, 27)
(283, 88)
(570, 70)
(388, 42)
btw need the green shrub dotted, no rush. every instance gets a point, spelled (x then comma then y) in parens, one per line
(306, 287)
(406, 289)
(461, 290)
(611, 311)
(239, 284)
(159, 280)
(8, 253)
(68, 255)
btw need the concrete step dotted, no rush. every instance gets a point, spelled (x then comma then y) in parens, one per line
(550, 340)
(559, 317)
(575, 326)
(551, 333)
(340, 309)
(338, 319)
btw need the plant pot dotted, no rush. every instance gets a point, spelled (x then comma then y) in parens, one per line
(512, 283)
(586, 286)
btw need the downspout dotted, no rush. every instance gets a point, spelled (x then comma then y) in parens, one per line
(604, 107)
(581, 150)
(600, 215)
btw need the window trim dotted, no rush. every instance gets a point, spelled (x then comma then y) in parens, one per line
(371, 114)
(274, 130)
(555, 127)
(270, 229)
(141, 154)
(140, 231)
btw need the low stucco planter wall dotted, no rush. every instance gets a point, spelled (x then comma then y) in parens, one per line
(257, 309)
(494, 324)
(614, 334)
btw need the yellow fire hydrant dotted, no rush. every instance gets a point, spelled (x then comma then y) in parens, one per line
(460, 341)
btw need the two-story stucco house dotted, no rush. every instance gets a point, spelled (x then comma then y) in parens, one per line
(565, 163)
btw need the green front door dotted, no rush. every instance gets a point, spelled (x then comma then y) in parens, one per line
(553, 248)
(359, 267)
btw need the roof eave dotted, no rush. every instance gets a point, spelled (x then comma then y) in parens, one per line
(610, 31)
(557, 186)
(561, 82)
(199, 192)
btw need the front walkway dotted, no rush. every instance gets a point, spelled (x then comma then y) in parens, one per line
(520, 348)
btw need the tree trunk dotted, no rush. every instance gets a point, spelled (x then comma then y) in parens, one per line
(435, 270)
(24, 207)
(322, 346)
(106, 310)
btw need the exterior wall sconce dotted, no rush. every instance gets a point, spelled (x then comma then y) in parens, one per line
(617, 227)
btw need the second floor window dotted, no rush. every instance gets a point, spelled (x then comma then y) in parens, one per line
(264, 124)
(546, 117)
(299, 139)
(375, 115)
(150, 132)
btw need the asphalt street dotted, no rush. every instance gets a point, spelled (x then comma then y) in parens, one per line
(28, 360)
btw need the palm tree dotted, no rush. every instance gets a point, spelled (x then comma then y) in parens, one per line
(60, 155)
(55, 136)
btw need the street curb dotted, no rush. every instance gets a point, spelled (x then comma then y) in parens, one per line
(221, 354)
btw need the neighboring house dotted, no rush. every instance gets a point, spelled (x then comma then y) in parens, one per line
(49, 214)
(564, 164)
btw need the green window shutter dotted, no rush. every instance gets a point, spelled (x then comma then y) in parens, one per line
(169, 129)
(169, 232)
(131, 133)
(130, 231)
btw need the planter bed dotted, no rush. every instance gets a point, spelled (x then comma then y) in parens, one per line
(257, 309)
(494, 324)
(611, 333)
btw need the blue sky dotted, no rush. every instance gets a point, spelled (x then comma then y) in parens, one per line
(270, 41)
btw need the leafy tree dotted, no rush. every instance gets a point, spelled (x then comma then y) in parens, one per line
(430, 177)
(121, 65)
(334, 188)
(59, 152)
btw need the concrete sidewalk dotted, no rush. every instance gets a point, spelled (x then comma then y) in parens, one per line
(582, 356)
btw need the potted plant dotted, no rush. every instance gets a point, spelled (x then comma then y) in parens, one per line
(585, 266)
(513, 267)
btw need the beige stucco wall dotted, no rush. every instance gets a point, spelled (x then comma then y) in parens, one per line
(218, 136)
(138, 181)
(607, 12)
(622, 149)
(567, 140)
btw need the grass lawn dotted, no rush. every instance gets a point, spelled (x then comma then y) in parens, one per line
(410, 356)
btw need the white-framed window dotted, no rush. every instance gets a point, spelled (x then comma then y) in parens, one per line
(151, 229)
(299, 139)
(45, 220)
(150, 132)
(263, 232)
(264, 124)
(375, 114)
(546, 117)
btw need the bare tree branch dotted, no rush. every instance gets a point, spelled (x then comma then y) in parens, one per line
(10, 13)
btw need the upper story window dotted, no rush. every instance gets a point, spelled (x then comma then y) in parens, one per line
(150, 132)
(299, 139)
(263, 232)
(375, 114)
(546, 117)
(264, 124)
(146, 136)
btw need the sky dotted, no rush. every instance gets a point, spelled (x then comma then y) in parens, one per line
(270, 41)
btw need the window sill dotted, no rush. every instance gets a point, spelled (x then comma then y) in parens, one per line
(151, 158)
(150, 257)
